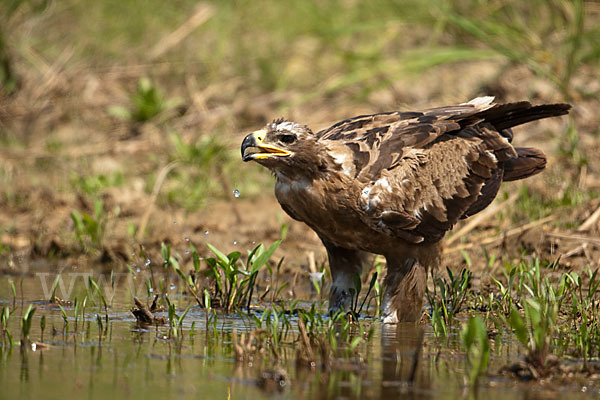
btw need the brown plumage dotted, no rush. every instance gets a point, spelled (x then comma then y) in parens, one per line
(394, 183)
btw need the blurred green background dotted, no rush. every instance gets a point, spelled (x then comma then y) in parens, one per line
(316, 47)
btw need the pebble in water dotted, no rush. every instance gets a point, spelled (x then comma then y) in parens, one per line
(236, 193)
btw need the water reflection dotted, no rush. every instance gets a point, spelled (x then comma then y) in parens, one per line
(24, 375)
(41, 365)
(121, 359)
(401, 346)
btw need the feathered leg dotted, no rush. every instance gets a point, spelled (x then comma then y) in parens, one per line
(406, 280)
(404, 291)
(346, 268)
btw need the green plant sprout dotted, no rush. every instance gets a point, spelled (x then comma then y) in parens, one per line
(476, 344)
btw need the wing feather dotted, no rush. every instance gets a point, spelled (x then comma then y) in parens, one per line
(420, 172)
(430, 189)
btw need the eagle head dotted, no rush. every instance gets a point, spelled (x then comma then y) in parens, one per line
(282, 146)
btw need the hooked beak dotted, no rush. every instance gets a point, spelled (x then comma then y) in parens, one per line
(253, 147)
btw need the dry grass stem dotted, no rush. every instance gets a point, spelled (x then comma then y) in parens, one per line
(573, 237)
(498, 240)
(202, 13)
(590, 221)
(162, 175)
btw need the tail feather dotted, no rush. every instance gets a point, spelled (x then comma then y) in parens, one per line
(505, 116)
(529, 162)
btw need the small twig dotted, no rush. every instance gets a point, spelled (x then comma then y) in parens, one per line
(162, 175)
(582, 177)
(519, 230)
(267, 289)
(309, 352)
(497, 240)
(589, 223)
(575, 251)
(192, 291)
(573, 237)
(52, 74)
(312, 266)
(371, 284)
(142, 313)
(154, 306)
(201, 14)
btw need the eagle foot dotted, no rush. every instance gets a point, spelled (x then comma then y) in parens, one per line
(340, 298)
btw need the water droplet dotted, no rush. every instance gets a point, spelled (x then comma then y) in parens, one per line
(148, 262)
(236, 193)
(187, 239)
(187, 252)
(172, 287)
(234, 242)
(206, 233)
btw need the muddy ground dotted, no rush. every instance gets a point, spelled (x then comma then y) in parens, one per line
(58, 134)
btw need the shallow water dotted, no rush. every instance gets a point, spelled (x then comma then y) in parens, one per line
(135, 362)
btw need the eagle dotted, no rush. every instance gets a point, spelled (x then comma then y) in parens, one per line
(393, 184)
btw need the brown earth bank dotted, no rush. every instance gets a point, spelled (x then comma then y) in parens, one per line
(65, 153)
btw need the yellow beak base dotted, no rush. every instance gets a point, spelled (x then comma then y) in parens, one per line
(254, 148)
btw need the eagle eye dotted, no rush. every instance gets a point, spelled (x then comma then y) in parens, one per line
(286, 138)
